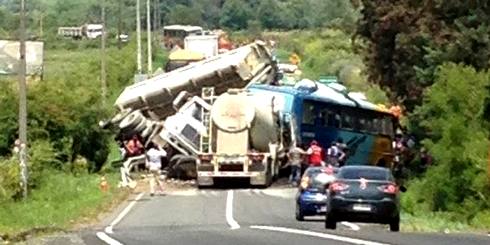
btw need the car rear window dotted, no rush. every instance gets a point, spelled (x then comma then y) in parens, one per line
(370, 174)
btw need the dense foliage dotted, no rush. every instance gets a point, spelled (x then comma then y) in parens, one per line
(452, 112)
(64, 110)
(405, 41)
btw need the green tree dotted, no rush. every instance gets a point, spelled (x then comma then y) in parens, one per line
(235, 14)
(453, 114)
(269, 13)
(181, 14)
(407, 40)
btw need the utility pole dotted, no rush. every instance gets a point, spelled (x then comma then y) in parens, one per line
(148, 31)
(41, 26)
(103, 75)
(138, 36)
(23, 102)
(119, 24)
(156, 4)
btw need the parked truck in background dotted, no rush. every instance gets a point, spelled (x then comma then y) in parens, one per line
(90, 31)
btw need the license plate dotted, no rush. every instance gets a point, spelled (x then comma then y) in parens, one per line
(323, 209)
(361, 207)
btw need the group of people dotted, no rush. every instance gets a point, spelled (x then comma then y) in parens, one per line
(315, 155)
(153, 156)
(407, 153)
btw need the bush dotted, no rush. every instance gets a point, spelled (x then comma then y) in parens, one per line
(453, 114)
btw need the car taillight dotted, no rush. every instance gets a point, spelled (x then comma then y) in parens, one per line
(256, 157)
(205, 157)
(338, 186)
(390, 188)
(305, 181)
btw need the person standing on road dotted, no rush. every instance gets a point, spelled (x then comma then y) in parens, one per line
(332, 154)
(295, 156)
(154, 164)
(315, 154)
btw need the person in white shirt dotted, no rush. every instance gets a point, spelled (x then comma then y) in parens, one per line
(154, 164)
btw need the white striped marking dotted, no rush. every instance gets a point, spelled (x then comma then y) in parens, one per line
(318, 234)
(107, 239)
(123, 213)
(352, 226)
(229, 211)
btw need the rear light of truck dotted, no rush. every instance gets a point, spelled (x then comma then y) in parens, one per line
(389, 188)
(205, 158)
(338, 186)
(256, 157)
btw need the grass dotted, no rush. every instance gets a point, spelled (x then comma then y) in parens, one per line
(61, 201)
(443, 222)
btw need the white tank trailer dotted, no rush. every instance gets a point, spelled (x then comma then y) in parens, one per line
(245, 139)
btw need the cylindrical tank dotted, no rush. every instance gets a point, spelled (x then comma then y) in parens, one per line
(238, 110)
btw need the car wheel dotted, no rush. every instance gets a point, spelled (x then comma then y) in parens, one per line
(299, 213)
(330, 222)
(395, 224)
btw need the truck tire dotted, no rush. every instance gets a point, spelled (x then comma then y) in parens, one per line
(120, 116)
(131, 121)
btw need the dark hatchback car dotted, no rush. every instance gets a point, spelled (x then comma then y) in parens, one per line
(311, 196)
(363, 194)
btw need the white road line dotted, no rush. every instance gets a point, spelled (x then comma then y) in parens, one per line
(352, 226)
(318, 234)
(107, 239)
(229, 211)
(118, 219)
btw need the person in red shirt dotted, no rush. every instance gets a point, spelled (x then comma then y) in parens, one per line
(134, 147)
(315, 154)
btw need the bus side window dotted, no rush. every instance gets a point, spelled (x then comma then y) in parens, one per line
(346, 121)
(337, 120)
(308, 113)
(361, 124)
(376, 126)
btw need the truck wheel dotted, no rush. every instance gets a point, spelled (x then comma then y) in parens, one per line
(120, 116)
(131, 121)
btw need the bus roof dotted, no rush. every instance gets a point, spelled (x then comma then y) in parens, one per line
(333, 93)
(186, 28)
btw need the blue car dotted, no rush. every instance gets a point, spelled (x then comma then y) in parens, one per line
(311, 197)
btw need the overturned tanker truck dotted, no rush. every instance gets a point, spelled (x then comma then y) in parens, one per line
(182, 111)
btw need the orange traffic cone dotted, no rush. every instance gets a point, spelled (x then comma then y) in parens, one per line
(104, 185)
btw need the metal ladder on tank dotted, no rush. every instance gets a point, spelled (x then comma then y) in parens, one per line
(207, 94)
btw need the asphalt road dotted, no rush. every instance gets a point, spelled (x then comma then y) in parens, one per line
(244, 216)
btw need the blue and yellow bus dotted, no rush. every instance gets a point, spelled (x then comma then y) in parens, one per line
(326, 112)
